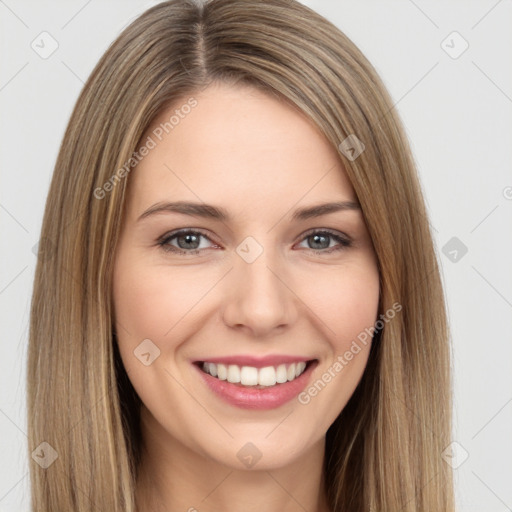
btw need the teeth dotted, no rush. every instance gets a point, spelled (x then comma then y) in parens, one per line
(299, 368)
(222, 371)
(291, 371)
(233, 373)
(251, 376)
(281, 374)
(267, 376)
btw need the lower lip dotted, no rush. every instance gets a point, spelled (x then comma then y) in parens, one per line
(259, 399)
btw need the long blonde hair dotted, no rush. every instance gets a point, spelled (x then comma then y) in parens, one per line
(384, 451)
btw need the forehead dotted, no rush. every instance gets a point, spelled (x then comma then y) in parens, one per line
(238, 146)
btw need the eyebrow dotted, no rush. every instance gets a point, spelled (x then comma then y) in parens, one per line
(214, 212)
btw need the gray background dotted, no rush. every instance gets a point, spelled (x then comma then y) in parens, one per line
(457, 110)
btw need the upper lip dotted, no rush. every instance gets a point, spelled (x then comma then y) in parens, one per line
(256, 361)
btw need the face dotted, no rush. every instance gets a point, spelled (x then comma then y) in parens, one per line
(259, 285)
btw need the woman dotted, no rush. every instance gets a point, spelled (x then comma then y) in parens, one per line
(256, 369)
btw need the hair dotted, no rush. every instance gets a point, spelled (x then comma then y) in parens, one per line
(384, 450)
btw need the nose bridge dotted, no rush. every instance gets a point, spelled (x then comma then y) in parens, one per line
(259, 298)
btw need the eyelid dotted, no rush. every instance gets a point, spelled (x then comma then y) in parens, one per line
(329, 231)
(179, 231)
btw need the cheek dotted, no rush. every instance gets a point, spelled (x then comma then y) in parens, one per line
(142, 310)
(146, 307)
(345, 301)
(147, 302)
(153, 303)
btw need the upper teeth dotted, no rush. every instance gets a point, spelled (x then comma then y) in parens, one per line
(251, 376)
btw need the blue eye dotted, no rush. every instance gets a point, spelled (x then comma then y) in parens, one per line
(319, 237)
(189, 237)
(189, 241)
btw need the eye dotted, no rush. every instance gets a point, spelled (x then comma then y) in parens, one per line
(189, 241)
(319, 243)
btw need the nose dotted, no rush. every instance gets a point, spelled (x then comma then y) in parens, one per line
(258, 297)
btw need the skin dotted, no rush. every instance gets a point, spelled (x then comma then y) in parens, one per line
(260, 159)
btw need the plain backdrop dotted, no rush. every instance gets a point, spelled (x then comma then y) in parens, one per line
(447, 66)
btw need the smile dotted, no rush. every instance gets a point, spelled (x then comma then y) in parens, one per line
(256, 383)
(252, 376)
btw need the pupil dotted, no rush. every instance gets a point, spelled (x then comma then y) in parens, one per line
(188, 239)
(316, 237)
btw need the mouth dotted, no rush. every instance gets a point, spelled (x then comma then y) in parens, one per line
(258, 385)
(254, 377)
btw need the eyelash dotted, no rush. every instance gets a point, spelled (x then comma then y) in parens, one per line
(163, 242)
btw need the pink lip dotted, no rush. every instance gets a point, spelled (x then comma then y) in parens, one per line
(257, 362)
(257, 399)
